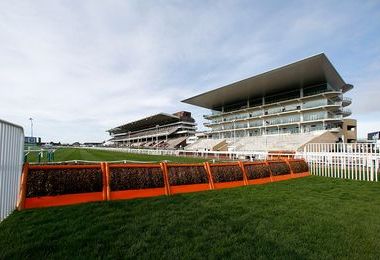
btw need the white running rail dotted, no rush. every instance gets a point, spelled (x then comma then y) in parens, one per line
(357, 161)
(229, 155)
(11, 160)
(347, 161)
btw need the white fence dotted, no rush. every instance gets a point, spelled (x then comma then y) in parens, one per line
(252, 155)
(347, 161)
(11, 160)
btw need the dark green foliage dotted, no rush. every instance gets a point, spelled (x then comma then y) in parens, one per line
(299, 166)
(63, 181)
(187, 175)
(279, 168)
(306, 218)
(226, 173)
(257, 171)
(136, 178)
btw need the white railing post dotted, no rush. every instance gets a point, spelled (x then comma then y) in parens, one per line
(337, 160)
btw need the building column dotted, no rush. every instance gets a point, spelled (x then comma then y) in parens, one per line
(264, 129)
(234, 132)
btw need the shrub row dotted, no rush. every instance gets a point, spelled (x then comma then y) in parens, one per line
(299, 166)
(257, 171)
(63, 181)
(136, 178)
(279, 168)
(72, 181)
(187, 175)
(226, 173)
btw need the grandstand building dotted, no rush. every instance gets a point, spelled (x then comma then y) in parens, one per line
(284, 108)
(164, 131)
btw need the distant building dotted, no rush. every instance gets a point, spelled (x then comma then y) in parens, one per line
(374, 136)
(162, 131)
(306, 98)
(93, 144)
(32, 140)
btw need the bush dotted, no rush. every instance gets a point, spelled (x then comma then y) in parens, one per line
(279, 168)
(63, 181)
(136, 178)
(257, 171)
(226, 173)
(187, 175)
(299, 166)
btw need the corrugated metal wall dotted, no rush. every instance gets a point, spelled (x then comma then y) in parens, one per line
(11, 160)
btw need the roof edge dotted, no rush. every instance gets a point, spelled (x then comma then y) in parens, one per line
(147, 117)
(319, 55)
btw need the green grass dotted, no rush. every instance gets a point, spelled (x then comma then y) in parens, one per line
(67, 154)
(308, 218)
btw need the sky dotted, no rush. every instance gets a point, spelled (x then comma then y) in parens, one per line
(79, 68)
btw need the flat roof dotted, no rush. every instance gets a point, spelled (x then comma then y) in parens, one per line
(146, 122)
(307, 72)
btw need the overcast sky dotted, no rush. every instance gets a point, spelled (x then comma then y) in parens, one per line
(79, 68)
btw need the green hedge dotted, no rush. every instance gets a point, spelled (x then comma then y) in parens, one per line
(136, 178)
(299, 166)
(257, 171)
(187, 175)
(279, 168)
(63, 181)
(226, 173)
(72, 181)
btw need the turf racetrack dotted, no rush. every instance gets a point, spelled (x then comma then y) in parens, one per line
(307, 218)
(68, 154)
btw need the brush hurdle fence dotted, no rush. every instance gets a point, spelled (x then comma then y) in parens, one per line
(11, 160)
(356, 161)
(346, 161)
(65, 184)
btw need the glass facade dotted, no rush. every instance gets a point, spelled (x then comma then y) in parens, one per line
(308, 109)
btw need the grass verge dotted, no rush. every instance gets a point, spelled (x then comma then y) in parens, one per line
(67, 154)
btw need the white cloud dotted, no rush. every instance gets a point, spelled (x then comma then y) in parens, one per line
(80, 68)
